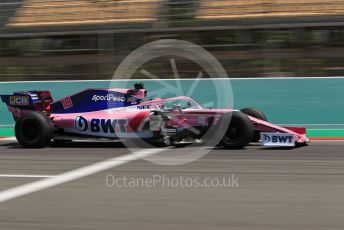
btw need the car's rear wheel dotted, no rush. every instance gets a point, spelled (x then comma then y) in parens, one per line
(34, 130)
(239, 133)
(256, 113)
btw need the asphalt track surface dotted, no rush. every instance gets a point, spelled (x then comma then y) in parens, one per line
(300, 188)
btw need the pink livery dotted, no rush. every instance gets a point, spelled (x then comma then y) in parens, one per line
(124, 114)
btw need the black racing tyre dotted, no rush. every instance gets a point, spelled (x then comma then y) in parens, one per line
(239, 133)
(256, 113)
(34, 130)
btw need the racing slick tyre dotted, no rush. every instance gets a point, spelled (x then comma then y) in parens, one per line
(239, 133)
(256, 113)
(34, 130)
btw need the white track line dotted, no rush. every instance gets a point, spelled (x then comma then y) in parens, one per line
(25, 176)
(7, 139)
(36, 186)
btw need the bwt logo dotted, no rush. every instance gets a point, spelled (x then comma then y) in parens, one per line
(277, 139)
(101, 125)
(108, 97)
(266, 138)
(81, 123)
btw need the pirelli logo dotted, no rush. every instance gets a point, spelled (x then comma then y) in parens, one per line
(19, 100)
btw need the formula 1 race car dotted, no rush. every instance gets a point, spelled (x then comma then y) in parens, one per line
(123, 114)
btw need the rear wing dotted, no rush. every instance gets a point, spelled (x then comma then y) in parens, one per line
(22, 101)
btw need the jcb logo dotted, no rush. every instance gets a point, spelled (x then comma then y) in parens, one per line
(19, 100)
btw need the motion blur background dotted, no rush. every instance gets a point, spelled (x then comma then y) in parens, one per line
(87, 39)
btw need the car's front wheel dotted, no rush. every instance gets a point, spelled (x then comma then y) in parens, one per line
(239, 133)
(256, 113)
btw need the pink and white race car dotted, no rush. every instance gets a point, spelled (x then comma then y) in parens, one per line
(122, 114)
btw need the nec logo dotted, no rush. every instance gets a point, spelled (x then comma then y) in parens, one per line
(277, 139)
(19, 100)
(144, 107)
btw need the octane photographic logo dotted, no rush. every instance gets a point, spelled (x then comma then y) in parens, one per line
(210, 84)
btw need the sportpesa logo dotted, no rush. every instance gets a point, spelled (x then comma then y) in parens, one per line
(108, 97)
